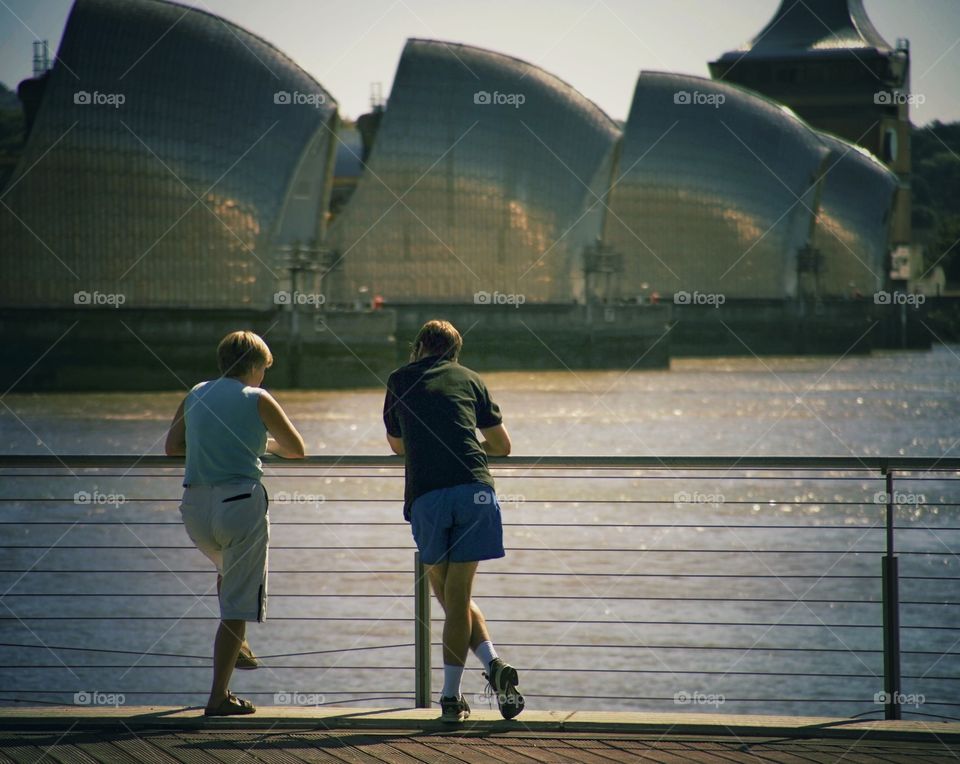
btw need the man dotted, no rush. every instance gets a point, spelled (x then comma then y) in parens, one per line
(432, 411)
(221, 427)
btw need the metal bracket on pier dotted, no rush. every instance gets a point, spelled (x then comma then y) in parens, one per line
(891, 614)
(421, 634)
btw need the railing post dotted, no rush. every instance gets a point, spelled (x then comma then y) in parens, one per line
(891, 614)
(421, 634)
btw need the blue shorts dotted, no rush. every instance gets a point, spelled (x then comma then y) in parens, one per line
(458, 524)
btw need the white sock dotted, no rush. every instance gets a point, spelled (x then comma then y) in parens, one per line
(451, 681)
(486, 653)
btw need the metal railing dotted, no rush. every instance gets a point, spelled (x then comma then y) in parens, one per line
(613, 606)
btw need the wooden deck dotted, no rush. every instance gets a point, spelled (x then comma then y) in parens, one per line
(295, 735)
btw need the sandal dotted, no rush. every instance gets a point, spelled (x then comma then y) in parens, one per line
(231, 706)
(246, 660)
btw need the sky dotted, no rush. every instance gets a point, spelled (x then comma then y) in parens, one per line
(598, 46)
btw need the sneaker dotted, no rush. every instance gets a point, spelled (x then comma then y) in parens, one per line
(454, 710)
(503, 681)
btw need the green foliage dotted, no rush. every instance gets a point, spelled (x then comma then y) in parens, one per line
(11, 133)
(8, 99)
(936, 194)
(944, 247)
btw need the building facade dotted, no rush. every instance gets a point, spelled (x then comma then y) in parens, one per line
(173, 156)
(826, 61)
(486, 178)
(851, 238)
(715, 192)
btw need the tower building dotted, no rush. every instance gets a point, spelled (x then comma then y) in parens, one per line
(826, 61)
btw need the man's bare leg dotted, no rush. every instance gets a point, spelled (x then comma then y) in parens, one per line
(455, 580)
(478, 624)
(502, 677)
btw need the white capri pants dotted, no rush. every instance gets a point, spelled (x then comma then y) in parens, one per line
(229, 524)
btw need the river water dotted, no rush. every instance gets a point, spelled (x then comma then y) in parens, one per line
(732, 592)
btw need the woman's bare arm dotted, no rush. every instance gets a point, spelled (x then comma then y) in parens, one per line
(176, 444)
(286, 441)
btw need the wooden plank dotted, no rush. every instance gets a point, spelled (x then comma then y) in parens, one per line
(156, 747)
(285, 746)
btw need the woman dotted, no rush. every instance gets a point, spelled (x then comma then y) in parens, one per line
(222, 427)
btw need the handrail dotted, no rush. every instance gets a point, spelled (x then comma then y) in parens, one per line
(879, 463)
(878, 471)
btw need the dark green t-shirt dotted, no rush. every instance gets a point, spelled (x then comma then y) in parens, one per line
(436, 406)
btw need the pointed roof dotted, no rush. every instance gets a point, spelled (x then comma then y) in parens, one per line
(802, 28)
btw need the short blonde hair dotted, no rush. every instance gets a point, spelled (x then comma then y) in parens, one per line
(437, 338)
(239, 352)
